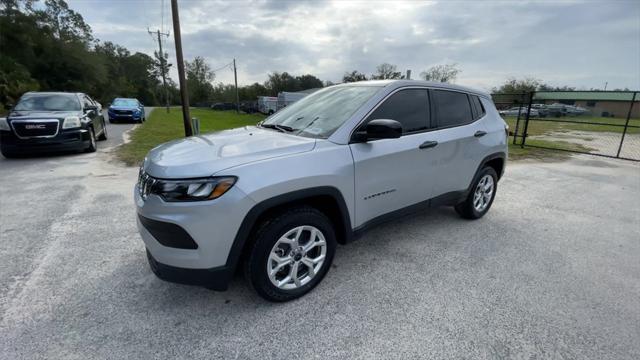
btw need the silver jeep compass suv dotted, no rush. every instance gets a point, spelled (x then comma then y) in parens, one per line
(277, 198)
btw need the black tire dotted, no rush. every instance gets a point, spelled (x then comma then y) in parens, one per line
(92, 142)
(112, 121)
(264, 240)
(466, 209)
(8, 154)
(103, 136)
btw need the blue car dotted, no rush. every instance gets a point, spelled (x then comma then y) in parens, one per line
(124, 109)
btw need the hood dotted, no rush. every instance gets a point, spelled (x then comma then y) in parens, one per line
(205, 155)
(33, 114)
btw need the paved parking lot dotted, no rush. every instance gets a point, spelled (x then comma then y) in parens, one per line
(553, 271)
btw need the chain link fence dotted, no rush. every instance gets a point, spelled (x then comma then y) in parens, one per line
(603, 123)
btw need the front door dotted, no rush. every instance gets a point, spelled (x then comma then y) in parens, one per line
(391, 174)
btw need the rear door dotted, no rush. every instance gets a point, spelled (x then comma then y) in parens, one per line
(391, 174)
(458, 130)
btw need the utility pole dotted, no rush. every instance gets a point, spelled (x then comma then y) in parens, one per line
(184, 94)
(235, 77)
(164, 76)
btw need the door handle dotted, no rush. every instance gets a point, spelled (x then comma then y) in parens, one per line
(428, 144)
(480, 133)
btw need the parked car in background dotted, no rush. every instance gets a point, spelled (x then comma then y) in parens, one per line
(223, 106)
(126, 109)
(541, 109)
(556, 109)
(52, 121)
(514, 111)
(275, 199)
(572, 110)
(249, 107)
(267, 104)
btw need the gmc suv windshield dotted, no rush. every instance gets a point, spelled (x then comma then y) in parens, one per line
(321, 113)
(49, 102)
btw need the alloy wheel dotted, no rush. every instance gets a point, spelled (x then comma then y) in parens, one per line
(483, 193)
(296, 257)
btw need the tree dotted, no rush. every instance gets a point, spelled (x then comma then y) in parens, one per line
(278, 82)
(513, 85)
(387, 71)
(354, 76)
(308, 81)
(67, 25)
(441, 73)
(199, 78)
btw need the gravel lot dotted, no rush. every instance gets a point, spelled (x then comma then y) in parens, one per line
(553, 271)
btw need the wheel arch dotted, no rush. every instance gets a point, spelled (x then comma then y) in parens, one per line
(496, 160)
(327, 199)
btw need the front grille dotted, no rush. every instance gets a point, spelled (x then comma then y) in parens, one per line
(35, 128)
(123, 112)
(145, 183)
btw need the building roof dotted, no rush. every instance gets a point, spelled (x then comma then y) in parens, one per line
(586, 95)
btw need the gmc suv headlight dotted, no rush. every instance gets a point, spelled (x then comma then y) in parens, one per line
(192, 190)
(4, 125)
(71, 122)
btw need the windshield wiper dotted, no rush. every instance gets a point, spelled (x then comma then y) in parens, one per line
(281, 128)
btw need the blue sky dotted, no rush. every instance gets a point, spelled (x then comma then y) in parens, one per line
(576, 43)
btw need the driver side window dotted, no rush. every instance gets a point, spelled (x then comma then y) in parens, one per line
(408, 107)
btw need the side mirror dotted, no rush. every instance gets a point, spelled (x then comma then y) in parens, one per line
(89, 109)
(380, 129)
(8, 106)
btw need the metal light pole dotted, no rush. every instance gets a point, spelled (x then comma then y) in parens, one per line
(184, 94)
(235, 77)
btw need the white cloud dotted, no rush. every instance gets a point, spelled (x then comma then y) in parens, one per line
(575, 43)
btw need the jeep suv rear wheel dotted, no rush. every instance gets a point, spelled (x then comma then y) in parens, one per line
(291, 253)
(481, 196)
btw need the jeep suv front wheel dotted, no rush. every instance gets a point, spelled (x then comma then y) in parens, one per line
(291, 253)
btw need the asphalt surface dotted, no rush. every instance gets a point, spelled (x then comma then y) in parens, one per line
(553, 271)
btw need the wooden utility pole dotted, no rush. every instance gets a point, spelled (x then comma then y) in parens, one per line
(235, 77)
(164, 76)
(184, 94)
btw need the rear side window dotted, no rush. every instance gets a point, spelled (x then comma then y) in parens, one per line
(476, 106)
(453, 108)
(409, 107)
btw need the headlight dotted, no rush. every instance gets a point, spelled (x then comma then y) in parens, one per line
(4, 125)
(192, 190)
(71, 122)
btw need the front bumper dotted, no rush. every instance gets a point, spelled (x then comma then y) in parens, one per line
(66, 140)
(125, 117)
(212, 225)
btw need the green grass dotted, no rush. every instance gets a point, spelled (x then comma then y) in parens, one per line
(518, 153)
(161, 127)
(539, 127)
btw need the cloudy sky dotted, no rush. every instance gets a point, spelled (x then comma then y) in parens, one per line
(576, 43)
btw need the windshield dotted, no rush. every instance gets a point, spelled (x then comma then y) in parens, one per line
(125, 102)
(49, 102)
(323, 112)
